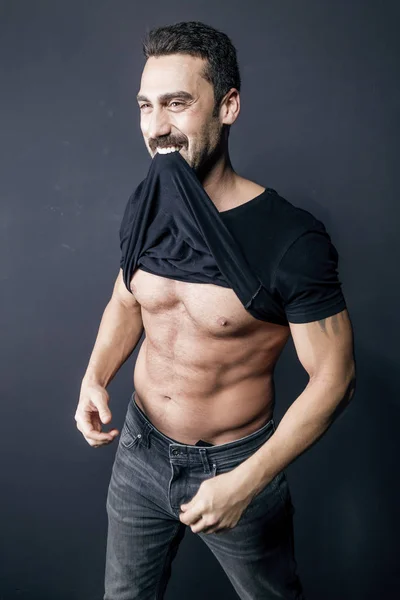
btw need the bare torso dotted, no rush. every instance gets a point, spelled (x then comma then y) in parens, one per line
(205, 368)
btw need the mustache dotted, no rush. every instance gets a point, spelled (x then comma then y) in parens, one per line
(165, 144)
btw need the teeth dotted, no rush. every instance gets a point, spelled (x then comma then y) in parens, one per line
(168, 150)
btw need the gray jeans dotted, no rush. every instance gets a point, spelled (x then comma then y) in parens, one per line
(152, 476)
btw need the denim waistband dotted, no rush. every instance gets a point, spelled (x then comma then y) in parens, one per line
(172, 447)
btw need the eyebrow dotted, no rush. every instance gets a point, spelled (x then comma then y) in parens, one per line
(165, 97)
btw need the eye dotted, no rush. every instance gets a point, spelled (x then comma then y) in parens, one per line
(142, 106)
(176, 102)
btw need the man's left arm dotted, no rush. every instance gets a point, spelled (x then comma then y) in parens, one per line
(325, 349)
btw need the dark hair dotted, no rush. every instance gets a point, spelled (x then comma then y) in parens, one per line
(199, 39)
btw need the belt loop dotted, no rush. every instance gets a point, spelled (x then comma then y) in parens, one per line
(206, 461)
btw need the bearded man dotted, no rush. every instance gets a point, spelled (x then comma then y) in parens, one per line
(218, 271)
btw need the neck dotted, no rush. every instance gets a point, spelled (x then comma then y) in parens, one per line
(219, 179)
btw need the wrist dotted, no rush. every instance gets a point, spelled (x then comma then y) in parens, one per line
(249, 477)
(91, 379)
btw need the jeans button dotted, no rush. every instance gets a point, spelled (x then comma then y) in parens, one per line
(175, 451)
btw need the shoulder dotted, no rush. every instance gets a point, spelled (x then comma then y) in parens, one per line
(283, 222)
(267, 226)
(306, 272)
(297, 220)
(306, 239)
(279, 207)
(248, 189)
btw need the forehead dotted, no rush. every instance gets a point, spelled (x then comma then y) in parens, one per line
(163, 74)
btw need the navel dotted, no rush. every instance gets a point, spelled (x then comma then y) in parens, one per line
(222, 321)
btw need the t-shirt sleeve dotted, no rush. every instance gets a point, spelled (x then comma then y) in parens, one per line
(306, 279)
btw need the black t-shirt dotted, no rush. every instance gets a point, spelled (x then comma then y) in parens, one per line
(278, 258)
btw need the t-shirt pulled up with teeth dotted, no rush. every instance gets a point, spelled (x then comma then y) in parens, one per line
(278, 258)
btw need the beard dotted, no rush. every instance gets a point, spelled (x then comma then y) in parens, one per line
(210, 151)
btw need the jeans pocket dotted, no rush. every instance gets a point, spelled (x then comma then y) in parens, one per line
(281, 486)
(129, 438)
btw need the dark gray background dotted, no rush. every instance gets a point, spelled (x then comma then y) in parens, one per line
(320, 124)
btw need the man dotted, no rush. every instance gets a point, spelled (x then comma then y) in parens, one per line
(199, 446)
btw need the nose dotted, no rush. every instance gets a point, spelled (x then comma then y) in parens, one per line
(158, 124)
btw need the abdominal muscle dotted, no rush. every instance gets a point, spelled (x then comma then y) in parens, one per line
(192, 386)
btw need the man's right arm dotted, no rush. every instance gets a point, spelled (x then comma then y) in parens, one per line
(120, 330)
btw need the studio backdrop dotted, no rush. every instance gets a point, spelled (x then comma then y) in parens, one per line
(319, 123)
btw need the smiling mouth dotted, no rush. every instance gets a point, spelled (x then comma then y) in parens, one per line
(169, 149)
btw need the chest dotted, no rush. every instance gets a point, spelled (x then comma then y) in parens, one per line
(208, 308)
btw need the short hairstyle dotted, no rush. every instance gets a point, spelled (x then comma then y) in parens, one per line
(198, 39)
